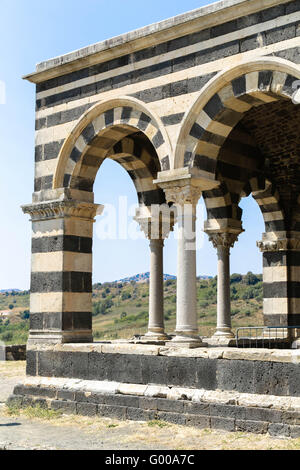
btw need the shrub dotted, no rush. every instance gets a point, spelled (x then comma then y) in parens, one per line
(251, 279)
(7, 336)
(101, 308)
(235, 278)
(25, 315)
(125, 296)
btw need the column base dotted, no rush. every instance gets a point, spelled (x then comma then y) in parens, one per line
(223, 332)
(296, 344)
(60, 337)
(185, 340)
(155, 337)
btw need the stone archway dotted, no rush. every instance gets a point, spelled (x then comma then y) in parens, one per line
(61, 280)
(106, 124)
(229, 141)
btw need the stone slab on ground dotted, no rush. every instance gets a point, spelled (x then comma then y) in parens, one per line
(10, 375)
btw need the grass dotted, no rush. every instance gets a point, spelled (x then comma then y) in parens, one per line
(13, 410)
(156, 422)
(33, 412)
(39, 412)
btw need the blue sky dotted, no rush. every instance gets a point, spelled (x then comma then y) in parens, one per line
(32, 31)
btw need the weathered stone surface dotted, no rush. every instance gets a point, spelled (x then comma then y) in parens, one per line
(13, 353)
(86, 409)
(226, 424)
(65, 407)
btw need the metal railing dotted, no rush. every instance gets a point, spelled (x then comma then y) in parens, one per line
(277, 337)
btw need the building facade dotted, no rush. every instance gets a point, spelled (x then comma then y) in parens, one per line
(202, 105)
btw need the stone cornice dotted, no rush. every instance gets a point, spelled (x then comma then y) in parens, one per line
(61, 209)
(186, 23)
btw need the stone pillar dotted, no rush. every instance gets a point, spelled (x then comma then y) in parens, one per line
(281, 274)
(61, 279)
(185, 196)
(156, 231)
(223, 242)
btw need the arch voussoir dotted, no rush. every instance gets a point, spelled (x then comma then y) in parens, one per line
(100, 129)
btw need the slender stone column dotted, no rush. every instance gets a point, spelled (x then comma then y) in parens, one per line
(185, 197)
(223, 242)
(156, 290)
(61, 278)
(156, 231)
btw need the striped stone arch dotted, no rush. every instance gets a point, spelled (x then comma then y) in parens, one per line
(135, 155)
(101, 132)
(223, 102)
(268, 199)
(220, 203)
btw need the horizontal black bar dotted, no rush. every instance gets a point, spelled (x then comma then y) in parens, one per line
(62, 243)
(61, 282)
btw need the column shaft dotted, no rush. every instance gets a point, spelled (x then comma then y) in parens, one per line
(156, 289)
(223, 308)
(186, 321)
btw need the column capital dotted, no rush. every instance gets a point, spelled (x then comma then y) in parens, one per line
(155, 228)
(61, 209)
(223, 239)
(280, 244)
(182, 194)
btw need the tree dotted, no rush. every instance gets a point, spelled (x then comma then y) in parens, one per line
(25, 315)
(251, 279)
(235, 278)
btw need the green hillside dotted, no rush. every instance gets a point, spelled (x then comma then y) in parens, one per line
(120, 310)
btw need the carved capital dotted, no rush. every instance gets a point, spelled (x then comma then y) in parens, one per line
(181, 195)
(279, 244)
(223, 239)
(61, 209)
(155, 228)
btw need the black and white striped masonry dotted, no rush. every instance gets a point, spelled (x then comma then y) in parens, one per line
(206, 96)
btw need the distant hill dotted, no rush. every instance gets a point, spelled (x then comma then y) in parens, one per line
(9, 291)
(144, 277)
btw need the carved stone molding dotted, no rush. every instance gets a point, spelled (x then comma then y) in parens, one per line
(223, 239)
(279, 245)
(60, 209)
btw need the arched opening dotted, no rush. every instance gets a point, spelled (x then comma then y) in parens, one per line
(252, 147)
(123, 183)
(137, 157)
